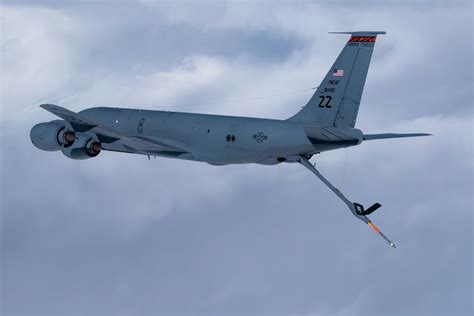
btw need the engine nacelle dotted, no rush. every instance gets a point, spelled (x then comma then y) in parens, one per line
(86, 145)
(52, 136)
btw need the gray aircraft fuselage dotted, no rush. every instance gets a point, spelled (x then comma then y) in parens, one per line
(215, 139)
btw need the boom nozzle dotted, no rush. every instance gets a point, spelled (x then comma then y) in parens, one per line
(381, 234)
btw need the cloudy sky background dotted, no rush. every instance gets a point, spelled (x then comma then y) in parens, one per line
(119, 234)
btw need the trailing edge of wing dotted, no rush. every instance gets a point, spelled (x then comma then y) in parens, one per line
(108, 135)
(392, 135)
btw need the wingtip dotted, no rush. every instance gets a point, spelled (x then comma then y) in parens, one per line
(47, 106)
(53, 108)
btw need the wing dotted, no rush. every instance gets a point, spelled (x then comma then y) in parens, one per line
(107, 135)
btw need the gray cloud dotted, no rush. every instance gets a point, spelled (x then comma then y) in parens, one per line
(123, 235)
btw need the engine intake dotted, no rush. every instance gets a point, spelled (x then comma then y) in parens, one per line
(52, 136)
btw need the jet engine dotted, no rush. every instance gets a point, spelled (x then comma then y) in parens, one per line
(52, 136)
(85, 146)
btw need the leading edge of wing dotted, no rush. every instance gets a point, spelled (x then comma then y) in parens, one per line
(68, 115)
(105, 134)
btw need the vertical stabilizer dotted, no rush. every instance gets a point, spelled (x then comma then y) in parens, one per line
(337, 99)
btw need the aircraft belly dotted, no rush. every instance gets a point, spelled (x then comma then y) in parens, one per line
(256, 141)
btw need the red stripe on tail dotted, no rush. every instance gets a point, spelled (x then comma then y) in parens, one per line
(362, 39)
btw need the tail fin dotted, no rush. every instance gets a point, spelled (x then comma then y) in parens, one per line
(337, 99)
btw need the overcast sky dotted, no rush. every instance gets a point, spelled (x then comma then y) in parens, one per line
(119, 234)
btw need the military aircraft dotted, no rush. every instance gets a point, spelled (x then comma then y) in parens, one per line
(326, 122)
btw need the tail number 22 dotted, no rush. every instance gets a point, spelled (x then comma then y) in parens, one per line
(324, 102)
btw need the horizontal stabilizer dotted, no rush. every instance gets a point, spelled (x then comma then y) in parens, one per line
(392, 135)
(361, 33)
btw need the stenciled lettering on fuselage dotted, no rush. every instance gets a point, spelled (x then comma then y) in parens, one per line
(140, 125)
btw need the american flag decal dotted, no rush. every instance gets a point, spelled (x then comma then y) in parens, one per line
(338, 73)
